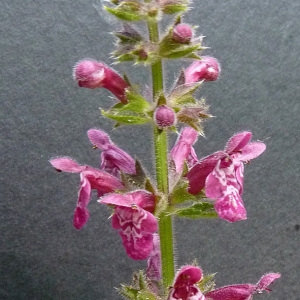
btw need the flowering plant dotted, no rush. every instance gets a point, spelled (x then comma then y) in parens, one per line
(142, 208)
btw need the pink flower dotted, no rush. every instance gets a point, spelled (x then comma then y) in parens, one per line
(90, 178)
(134, 220)
(182, 33)
(243, 291)
(183, 149)
(92, 74)
(184, 286)
(222, 175)
(208, 69)
(113, 159)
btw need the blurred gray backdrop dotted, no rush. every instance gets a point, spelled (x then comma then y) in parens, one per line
(44, 114)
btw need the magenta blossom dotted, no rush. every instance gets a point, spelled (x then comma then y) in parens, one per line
(243, 291)
(113, 159)
(134, 220)
(207, 69)
(90, 178)
(183, 149)
(184, 286)
(222, 175)
(92, 74)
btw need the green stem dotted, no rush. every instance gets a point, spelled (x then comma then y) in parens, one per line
(161, 164)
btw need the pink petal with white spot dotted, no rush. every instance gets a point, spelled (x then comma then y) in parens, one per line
(136, 227)
(231, 207)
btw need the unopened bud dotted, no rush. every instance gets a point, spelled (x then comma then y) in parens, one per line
(182, 33)
(208, 69)
(92, 74)
(164, 116)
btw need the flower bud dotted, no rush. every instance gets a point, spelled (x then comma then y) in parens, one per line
(92, 74)
(182, 33)
(208, 69)
(164, 116)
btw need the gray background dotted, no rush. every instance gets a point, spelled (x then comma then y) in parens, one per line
(45, 114)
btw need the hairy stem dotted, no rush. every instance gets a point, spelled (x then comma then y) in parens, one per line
(161, 164)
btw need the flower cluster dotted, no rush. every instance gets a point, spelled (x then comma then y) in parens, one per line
(185, 186)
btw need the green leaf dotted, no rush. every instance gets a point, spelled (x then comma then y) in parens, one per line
(198, 210)
(129, 292)
(127, 11)
(134, 181)
(175, 8)
(146, 295)
(125, 117)
(207, 283)
(180, 51)
(180, 193)
(183, 94)
(136, 102)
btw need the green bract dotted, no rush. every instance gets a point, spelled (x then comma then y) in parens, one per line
(134, 112)
(197, 210)
(126, 11)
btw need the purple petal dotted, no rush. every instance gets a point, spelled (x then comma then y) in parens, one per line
(141, 198)
(238, 141)
(232, 292)
(154, 271)
(101, 180)
(198, 173)
(252, 150)
(116, 199)
(183, 148)
(81, 214)
(118, 158)
(188, 275)
(184, 286)
(266, 280)
(99, 138)
(66, 164)
(144, 199)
